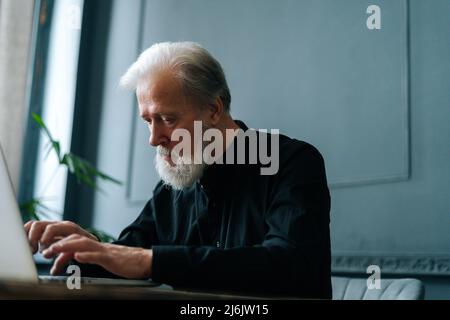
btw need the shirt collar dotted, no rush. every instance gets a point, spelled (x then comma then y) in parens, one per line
(218, 176)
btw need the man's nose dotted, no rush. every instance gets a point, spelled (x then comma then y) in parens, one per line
(158, 136)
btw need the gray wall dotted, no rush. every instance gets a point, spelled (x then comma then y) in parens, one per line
(376, 105)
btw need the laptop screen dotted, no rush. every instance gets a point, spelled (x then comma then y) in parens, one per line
(16, 260)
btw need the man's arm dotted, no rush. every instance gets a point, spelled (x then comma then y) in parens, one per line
(131, 249)
(124, 261)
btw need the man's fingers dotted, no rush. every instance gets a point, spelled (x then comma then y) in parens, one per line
(57, 231)
(83, 249)
(73, 243)
(46, 233)
(27, 226)
(90, 257)
(60, 263)
(35, 233)
(53, 250)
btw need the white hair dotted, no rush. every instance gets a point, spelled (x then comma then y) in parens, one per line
(200, 74)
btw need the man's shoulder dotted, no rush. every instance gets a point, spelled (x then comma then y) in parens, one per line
(297, 149)
(288, 144)
(299, 160)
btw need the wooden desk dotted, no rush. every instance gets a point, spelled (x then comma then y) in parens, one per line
(59, 291)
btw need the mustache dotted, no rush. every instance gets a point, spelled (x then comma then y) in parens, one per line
(162, 151)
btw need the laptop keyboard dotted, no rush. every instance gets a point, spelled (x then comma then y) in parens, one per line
(100, 281)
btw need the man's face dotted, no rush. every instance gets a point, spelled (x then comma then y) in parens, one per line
(165, 108)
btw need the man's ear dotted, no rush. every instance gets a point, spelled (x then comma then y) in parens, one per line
(216, 111)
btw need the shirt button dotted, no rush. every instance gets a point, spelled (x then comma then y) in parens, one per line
(218, 244)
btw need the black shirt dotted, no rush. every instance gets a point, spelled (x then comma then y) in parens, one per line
(238, 230)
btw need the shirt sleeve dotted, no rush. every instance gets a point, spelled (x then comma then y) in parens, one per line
(142, 232)
(294, 257)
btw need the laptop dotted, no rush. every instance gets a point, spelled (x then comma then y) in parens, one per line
(16, 259)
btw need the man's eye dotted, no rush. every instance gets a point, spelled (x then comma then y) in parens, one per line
(169, 120)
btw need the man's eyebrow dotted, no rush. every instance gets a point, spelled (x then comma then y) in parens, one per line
(160, 114)
(144, 116)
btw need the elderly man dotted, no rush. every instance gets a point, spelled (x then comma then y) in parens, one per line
(218, 226)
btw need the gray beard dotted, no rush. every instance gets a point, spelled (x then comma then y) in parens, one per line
(180, 176)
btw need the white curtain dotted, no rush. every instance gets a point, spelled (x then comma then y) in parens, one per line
(15, 34)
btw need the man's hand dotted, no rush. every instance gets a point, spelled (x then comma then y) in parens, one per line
(46, 233)
(127, 262)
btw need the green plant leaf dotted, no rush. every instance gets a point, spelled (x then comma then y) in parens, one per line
(55, 144)
(85, 173)
(47, 149)
(35, 208)
(67, 160)
(57, 148)
(29, 209)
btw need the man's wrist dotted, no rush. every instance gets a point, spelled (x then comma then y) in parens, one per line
(147, 263)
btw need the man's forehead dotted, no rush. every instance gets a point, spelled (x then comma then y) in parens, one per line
(168, 100)
(158, 85)
(164, 98)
